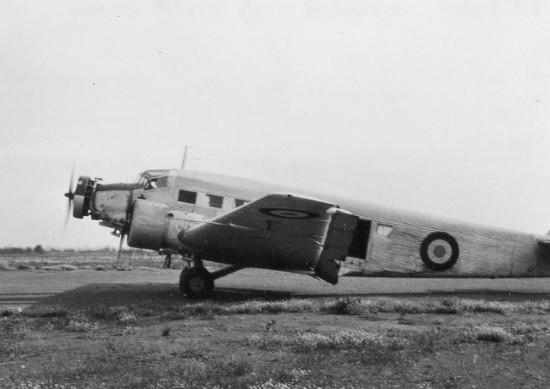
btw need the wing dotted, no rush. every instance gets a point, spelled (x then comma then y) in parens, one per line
(279, 231)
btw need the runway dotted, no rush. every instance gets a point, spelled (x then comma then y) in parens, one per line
(25, 288)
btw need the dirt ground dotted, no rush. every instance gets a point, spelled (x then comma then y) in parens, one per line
(132, 329)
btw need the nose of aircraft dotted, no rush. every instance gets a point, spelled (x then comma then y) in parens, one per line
(82, 196)
(79, 200)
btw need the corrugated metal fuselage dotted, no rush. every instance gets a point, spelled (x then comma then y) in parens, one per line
(396, 243)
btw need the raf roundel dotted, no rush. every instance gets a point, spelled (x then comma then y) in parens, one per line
(439, 251)
(288, 213)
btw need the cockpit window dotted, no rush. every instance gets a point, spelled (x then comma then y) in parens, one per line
(188, 197)
(142, 181)
(215, 201)
(156, 183)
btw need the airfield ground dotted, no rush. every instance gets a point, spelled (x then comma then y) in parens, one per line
(87, 328)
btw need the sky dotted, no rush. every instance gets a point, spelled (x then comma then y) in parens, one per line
(436, 106)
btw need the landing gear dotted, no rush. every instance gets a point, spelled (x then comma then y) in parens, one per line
(196, 282)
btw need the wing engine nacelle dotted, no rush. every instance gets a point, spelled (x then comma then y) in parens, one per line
(148, 226)
(147, 223)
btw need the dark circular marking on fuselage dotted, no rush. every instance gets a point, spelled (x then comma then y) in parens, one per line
(439, 251)
(286, 213)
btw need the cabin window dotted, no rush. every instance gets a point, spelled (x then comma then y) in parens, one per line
(215, 201)
(188, 197)
(240, 203)
(384, 229)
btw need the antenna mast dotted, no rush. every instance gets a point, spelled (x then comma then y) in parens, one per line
(184, 158)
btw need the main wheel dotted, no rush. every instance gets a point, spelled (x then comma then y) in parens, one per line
(196, 282)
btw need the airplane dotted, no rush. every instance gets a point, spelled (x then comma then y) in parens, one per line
(242, 223)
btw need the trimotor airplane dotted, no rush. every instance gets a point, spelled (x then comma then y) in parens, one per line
(242, 223)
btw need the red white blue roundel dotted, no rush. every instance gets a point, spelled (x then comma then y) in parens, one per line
(288, 213)
(439, 251)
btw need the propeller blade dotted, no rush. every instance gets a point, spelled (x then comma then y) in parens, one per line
(71, 181)
(70, 197)
(67, 216)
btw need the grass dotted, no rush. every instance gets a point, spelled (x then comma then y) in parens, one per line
(341, 339)
(350, 306)
(295, 343)
(455, 306)
(71, 260)
(517, 333)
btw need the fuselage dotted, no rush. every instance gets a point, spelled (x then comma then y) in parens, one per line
(387, 242)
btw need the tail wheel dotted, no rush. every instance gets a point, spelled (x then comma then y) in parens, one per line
(196, 282)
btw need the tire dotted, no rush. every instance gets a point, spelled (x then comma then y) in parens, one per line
(196, 283)
(445, 254)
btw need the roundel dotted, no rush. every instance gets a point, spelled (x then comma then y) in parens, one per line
(439, 251)
(288, 213)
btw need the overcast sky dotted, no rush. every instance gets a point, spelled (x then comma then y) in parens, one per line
(437, 106)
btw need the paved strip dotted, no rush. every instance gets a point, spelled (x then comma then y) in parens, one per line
(22, 298)
(24, 288)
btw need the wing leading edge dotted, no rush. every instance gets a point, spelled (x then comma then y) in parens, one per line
(278, 231)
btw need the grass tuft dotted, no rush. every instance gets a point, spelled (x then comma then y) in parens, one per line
(520, 333)
(486, 333)
(121, 314)
(24, 266)
(342, 339)
(5, 267)
(347, 306)
(81, 325)
(10, 311)
(49, 312)
(68, 267)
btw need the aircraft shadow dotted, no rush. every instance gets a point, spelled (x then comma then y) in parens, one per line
(88, 296)
(488, 294)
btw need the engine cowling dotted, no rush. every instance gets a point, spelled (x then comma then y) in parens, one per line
(82, 197)
(148, 226)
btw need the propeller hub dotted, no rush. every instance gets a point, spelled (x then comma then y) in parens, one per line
(69, 195)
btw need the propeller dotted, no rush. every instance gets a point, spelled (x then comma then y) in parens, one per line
(70, 196)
